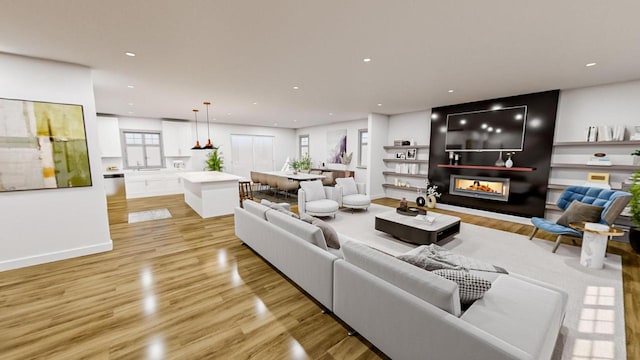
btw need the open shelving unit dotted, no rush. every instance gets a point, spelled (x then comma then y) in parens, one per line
(393, 173)
(482, 167)
(405, 161)
(405, 147)
(400, 175)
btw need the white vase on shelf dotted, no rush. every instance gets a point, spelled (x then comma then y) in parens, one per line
(509, 162)
(499, 162)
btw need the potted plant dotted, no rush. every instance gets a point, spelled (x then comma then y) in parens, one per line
(214, 161)
(296, 165)
(634, 205)
(305, 163)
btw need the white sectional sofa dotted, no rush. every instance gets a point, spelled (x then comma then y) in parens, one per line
(405, 311)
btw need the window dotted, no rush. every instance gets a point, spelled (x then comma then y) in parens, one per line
(304, 146)
(142, 149)
(363, 146)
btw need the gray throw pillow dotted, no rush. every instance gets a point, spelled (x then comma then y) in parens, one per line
(579, 211)
(279, 208)
(330, 234)
(471, 287)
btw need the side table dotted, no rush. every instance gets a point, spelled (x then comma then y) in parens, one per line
(594, 242)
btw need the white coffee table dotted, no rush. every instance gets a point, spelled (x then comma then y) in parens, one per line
(412, 230)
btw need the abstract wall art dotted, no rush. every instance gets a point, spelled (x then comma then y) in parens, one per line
(337, 145)
(42, 146)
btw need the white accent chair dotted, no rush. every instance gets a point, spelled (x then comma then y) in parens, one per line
(351, 194)
(316, 199)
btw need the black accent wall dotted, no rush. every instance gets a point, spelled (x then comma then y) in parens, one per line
(528, 189)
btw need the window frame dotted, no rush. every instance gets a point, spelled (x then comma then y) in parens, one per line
(300, 146)
(144, 145)
(362, 164)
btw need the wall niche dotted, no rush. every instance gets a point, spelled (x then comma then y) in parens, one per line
(527, 189)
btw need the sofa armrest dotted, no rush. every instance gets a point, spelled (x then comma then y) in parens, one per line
(301, 201)
(362, 188)
(331, 194)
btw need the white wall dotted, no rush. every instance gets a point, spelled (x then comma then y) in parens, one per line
(614, 104)
(413, 125)
(319, 150)
(378, 132)
(47, 225)
(284, 141)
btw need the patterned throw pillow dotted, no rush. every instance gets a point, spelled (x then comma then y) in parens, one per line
(471, 287)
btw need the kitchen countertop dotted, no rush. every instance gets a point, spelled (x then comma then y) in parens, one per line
(209, 176)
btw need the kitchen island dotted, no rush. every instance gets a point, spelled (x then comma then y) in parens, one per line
(211, 193)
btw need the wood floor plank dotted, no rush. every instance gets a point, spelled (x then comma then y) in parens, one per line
(186, 288)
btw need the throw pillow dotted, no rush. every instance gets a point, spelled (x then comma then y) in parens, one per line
(313, 190)
(471, 287)
(307, 218)
(579, 211)
(279, 207)
(330, 234)
(348, 186)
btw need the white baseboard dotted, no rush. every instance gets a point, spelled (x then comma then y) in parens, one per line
(54, 256)
(489, 214)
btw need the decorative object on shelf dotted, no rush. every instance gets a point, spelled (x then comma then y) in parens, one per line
(396, 182)
(412, 142)
(592, 134)
(636, 135)
(600, 180)
(412, 154)
(605, 133)
(346, 159)
(420, 200)
(403, 204)
(618, 133)
(634, 206)
(401, 155)
(451, 153)
(209, 144)
(197, 145)
(431, 194)
(636, 157)
(509, 162)
(499, 162)
(456, 159)
(600, 159)
(214, 161)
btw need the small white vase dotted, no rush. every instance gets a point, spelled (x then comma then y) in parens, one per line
(500, 162)
(431, 201)
(509, 162)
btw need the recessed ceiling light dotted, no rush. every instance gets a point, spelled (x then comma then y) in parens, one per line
(518, 116)
(296, 88)
(463, 121)
(434, 116)
(255, 103)
(490, 129)
(130, 104)
(498, 130)
(496, 107)
(330, 114)
(591, 64)
(484, 126)
(130, 86)
(275, 124)
(379, 104)
(295, 120)
(128, 53)
(366, 59)
(450, 90)
(228, 113)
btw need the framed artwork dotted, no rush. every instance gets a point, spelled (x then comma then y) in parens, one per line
(42, 146)
(411, 154)
(401, 155)
(336, 145)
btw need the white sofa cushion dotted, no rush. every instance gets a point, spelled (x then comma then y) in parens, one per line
(348, 186)
(356, 200)
(520, 313)
(431, 288)
(324, 206)
(306, 231)
(256, 209)
(314, 190)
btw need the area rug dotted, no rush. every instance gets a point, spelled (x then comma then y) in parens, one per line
(149, 215)
(594, 324)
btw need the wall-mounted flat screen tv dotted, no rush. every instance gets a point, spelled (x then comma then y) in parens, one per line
(487, 130)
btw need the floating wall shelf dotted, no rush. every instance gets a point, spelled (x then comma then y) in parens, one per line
(597, 167)
(408, 188)
(597, 143)
(421, 176)
(404, 147)
(481, 167)
(404, 161)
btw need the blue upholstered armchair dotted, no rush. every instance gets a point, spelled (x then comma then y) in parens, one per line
(613, 202)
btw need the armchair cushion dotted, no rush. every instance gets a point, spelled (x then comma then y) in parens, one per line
(348, 186)
(314, 190)
(356, 200)
(579, 211)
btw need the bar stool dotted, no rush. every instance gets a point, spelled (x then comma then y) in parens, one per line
(244, 187)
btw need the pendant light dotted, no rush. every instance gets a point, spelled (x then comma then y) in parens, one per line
(209, 145)
(197, 145)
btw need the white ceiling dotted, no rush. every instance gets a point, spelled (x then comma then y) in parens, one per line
(235, 53)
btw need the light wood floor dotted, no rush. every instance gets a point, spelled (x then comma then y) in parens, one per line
(185, 288)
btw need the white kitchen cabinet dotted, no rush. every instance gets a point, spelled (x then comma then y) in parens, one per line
(109, 137)
(145, 183)
(176, 138)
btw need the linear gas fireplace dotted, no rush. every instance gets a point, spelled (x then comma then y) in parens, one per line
(492, 188)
